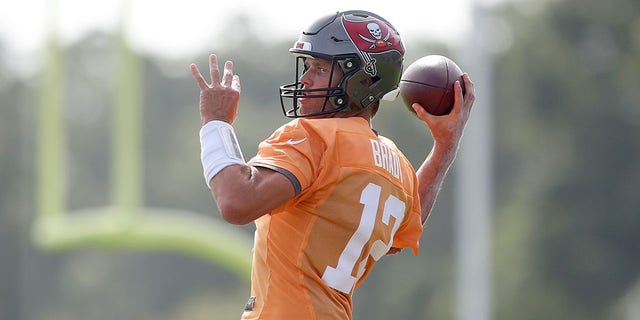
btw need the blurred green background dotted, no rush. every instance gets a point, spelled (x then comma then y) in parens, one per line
(104, 213)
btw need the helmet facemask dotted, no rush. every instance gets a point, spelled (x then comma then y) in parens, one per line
(335, 97)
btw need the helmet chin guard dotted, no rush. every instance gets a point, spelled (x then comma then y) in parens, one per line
(365, 46)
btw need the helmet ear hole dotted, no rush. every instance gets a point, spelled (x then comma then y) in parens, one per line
(368, 82)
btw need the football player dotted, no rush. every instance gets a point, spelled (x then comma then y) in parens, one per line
(329, 196)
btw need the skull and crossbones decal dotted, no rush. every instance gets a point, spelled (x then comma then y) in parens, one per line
(376, 32)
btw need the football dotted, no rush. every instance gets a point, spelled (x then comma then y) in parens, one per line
(429, 81)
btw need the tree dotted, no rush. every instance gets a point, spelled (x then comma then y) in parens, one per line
(570, 160)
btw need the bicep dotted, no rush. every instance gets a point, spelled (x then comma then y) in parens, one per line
(244, 193)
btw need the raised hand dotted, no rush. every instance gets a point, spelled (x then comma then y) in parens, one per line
(218, 100)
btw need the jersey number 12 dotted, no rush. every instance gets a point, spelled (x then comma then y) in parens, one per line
(340, 277)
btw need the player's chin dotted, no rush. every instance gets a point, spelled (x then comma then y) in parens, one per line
(306, 106)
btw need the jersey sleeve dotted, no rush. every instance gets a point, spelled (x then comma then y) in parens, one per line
(289, 151)
(410, 231)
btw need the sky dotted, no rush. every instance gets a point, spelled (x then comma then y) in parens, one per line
(178, 28)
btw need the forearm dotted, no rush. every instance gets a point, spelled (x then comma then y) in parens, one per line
(431, 175)
(447, 132)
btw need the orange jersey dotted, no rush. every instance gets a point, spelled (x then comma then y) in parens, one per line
(356, 198)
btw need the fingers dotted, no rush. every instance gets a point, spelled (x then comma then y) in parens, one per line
(197, 76)
(463, 100)
(227, 75)
(469, 94)
(457, 98)
(457, 91)
(214, 72)
(235, 84)
(228, 78)
(467, 97)
(420, 111)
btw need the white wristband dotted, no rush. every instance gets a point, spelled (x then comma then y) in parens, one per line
(219, 148)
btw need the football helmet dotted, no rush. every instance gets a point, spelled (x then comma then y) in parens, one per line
(364, 45)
